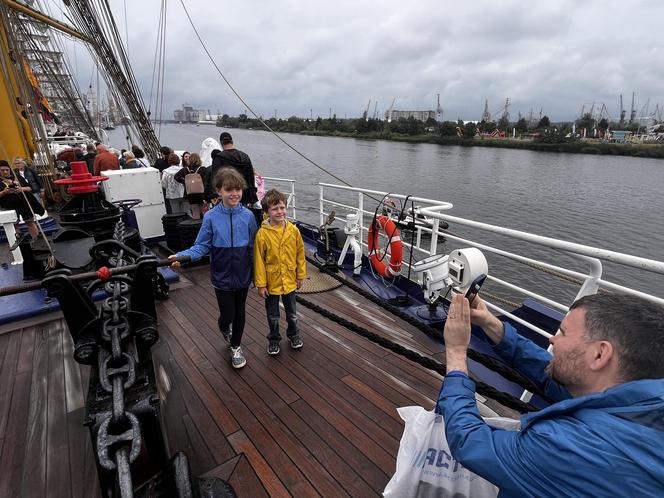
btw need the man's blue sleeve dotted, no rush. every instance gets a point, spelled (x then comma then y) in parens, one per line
(478, 447)
(531, 360)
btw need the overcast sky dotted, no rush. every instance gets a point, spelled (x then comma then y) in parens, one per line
(297, 55)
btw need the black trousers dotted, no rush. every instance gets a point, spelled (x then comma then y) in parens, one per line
(231, 310)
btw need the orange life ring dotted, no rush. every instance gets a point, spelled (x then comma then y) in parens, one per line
(396, 249)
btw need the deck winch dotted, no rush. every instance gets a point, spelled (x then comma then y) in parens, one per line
(456, 270)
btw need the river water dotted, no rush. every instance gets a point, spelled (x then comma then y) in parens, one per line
(610, 202)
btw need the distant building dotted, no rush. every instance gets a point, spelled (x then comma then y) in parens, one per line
(419, 115)
(189, 115)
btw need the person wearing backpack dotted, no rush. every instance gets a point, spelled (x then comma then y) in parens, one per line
(192, 176)
(173, 191)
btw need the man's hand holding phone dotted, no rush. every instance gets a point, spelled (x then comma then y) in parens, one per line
(475, 287)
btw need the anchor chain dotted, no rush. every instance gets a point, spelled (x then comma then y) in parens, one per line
(119, 436)
(117, 372)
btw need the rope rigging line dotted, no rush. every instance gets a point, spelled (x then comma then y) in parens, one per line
(97, 23)
(59, 39)
(124, 3)
(251, 110)
(160, 81)
(486, 361)
(160, 26)
(482, 388)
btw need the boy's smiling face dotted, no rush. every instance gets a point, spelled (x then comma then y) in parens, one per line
(277, 213)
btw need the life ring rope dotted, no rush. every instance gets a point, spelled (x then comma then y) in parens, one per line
(377, 257)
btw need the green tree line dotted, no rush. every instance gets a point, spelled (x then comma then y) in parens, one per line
(542, 131)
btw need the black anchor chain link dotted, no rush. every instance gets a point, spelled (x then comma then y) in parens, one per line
(119, 436)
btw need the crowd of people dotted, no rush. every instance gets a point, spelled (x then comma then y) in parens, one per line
(187, 183)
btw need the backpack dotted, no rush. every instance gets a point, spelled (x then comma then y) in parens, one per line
(193, 183)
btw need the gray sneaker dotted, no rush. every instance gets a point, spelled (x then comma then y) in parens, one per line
(296, 342)
(273, 348)
(237, 357)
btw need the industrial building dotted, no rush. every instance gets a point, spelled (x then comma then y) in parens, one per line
(190, 115)
(419, 115)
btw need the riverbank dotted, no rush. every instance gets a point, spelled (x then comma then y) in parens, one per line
(590, 146)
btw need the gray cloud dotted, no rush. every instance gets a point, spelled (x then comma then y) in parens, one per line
(295, 56)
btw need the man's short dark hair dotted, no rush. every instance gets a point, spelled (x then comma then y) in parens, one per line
(225, 138)
(230, 179)
(165, 150)
(4, 163)
(633, 325)
(271, 198)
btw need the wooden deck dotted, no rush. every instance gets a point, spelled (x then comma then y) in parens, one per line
(320, 421)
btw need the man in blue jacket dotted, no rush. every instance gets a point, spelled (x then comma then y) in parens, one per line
(605, 434)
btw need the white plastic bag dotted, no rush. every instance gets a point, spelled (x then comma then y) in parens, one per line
(425, 466)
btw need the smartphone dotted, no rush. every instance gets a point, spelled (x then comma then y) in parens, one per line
(475, 287)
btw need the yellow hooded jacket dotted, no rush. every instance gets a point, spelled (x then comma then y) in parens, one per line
(279, 258)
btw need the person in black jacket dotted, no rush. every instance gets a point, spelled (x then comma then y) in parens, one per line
(89, 157)
(15, 194)
(240, 161)
(162, 163)
(31, 177)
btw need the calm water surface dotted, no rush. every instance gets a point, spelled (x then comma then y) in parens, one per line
(610, 202)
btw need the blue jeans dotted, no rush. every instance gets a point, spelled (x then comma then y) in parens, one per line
(272, 309)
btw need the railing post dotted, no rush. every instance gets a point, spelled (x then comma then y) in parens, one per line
(292, 186)
(320, 204)
(360, 214)
(434, 235)
(590, 285)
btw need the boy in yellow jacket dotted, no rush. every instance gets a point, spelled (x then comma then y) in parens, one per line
(279, 268)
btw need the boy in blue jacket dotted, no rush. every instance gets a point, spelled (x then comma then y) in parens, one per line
(227, 234)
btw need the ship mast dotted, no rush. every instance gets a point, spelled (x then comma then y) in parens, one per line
(51, 70)
(98, 29)
(106, 44)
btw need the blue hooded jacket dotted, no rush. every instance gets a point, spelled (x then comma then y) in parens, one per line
(603, 444)
(227, 234)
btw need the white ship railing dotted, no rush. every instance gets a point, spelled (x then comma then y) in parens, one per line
(434, 209)
(330, 198)
(291, 190)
